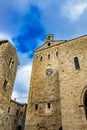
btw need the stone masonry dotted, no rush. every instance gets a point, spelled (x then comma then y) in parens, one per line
(12, 113)
(16, 115)
(8, 68)
(58, 87)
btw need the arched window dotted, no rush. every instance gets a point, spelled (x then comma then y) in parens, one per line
(76, 61)
(56, 53)
(49, 44)
(85, 103)
(41, 58)
(19, 128)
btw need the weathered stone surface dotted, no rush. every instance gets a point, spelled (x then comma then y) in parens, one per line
(12, 113)
(16, 115)
(63, 87)
(8, 68)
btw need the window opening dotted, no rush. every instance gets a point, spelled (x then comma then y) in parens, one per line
(8, 109)
(48, 56)
(49, 44)
(76, 61)
(48, 105)
(41, 58)
(56, 54)
(19, 128)
(10, 61)
(5, 85)
(36, 106)
(17, 112)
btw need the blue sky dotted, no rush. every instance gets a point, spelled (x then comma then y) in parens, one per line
(26, 23)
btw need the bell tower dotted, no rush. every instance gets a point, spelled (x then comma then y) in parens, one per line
(43, 111)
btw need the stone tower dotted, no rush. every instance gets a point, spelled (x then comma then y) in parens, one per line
(8, 68)
(58, 87)
(44, 111)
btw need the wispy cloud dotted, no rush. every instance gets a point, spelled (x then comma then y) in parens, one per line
(74, 9)
(4, 36)
(22, 83)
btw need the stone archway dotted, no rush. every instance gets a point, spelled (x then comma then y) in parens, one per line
(19, 127)
(85, 102)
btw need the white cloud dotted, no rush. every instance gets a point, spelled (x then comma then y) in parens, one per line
(4, 36)
(22, 82)
(74, 9)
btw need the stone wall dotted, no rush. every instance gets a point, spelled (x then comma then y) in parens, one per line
(58, 78)
(16, 115)
(8, 68)
(73, 83)
(44, 91)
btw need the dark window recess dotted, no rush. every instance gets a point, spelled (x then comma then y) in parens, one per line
(17, 112)
(85, 103)
(48, 105)
(56, 54)
(76, 61)
(36, 106)
(10, 61)
(8, 109)
(48, 56)
(49, 44)
(41, 58)
(5, 84)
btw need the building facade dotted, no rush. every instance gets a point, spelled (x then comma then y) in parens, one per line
(58, 87)
(16, 115)
(12, 113)
(8, 68)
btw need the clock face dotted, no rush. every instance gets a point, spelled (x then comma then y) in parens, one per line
(49, 72)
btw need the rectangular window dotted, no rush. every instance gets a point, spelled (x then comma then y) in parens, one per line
(48, 105)
(41, 58)
(48, 56)
(8, 109)
(56, 54)
(36, 106)
(17, 112)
